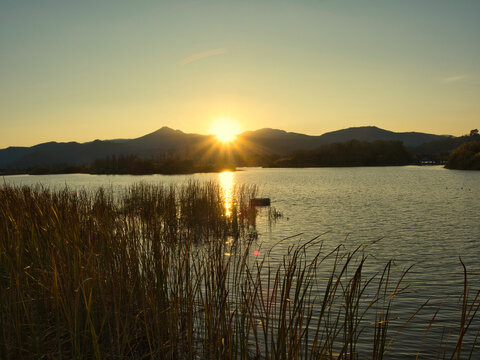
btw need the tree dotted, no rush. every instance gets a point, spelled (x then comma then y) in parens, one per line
(474, 132)
(465, 157)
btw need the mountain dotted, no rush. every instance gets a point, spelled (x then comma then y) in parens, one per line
(165, 139)
(443, 146)
(278, 141)
(282, 142)
(372, 133)
(158, 143)
(167, 142)
(53, 153)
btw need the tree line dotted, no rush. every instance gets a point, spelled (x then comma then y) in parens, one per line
(135, 165)
(350, 153)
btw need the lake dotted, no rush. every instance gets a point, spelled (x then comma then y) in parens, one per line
(422, 216)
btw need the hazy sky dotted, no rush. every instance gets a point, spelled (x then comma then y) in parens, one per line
(81, 70)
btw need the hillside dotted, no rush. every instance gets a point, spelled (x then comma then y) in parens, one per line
(278, 141)
(252, 147)
(373, 133)
(443, 146)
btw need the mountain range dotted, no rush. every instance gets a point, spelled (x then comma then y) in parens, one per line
(169, 142)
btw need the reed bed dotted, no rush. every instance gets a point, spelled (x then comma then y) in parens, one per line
(164, 273)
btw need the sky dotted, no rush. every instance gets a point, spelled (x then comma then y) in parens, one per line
(85, 70)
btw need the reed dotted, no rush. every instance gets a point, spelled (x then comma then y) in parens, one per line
(163, 272)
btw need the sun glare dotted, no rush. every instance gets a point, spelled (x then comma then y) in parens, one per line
(225, 129)
(227, 182)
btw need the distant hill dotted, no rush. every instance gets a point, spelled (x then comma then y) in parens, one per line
(278, 141)
(443, 146)
(167, 142)
(165, 139)
(373, 133)
(282, 142)
(156, 144)
(53, 153)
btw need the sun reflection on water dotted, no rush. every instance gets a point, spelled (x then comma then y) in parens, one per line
(227, 182)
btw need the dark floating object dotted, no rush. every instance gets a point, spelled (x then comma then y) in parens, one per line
(260, 202)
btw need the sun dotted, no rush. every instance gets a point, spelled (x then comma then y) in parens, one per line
(225, 129)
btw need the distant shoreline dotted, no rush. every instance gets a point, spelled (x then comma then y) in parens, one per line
(15, 173)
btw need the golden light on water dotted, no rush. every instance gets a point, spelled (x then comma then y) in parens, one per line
(225, 129)
(227, 183)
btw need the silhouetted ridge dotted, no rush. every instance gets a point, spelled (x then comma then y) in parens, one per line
(373, 133)
(260, 147)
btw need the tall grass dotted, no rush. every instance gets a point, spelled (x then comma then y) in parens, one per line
(162, 272)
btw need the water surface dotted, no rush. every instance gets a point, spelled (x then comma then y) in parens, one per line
(422, 216)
